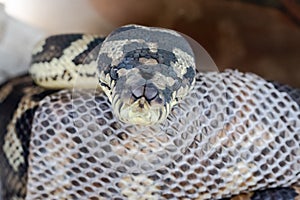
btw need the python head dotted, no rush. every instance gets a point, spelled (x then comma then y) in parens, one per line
(144, 72)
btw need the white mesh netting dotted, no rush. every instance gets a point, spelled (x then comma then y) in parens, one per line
(235, 132)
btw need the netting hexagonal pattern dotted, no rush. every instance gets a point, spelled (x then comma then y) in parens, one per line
(234, 132)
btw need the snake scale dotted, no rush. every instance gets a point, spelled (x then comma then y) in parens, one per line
(132, 116)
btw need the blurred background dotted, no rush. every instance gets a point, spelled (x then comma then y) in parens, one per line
(250, 35)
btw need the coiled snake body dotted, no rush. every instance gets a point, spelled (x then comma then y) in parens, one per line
(151, 126)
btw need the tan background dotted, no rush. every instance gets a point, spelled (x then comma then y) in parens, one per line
(261, 36)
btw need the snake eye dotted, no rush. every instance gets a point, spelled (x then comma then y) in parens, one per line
(113, 73)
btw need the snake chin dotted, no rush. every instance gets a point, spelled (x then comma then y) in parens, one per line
(141, 112)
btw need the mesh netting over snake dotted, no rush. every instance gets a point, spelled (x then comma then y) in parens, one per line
(151, 126)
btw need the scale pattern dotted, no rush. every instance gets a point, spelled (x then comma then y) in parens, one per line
(233, 133)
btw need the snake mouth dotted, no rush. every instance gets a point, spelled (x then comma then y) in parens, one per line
(140, 112)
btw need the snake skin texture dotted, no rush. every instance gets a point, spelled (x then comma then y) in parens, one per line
(68, 165)
(19, 99)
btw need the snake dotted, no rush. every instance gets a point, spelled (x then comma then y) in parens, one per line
(133, 116)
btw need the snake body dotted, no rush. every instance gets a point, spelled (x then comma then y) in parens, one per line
(207, 136)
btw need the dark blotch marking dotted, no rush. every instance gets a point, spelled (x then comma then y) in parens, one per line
(23, 132)
(167, 95)
(285, 193)
(294, 93)
(54, 78)
(90, 54)
(190, 74)
(104, 62)
(105, 85)
(41, 95)
(67, 74)
(90, 74)
(23, 128)
(54, 47)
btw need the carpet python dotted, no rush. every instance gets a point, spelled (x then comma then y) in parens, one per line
(133, 116)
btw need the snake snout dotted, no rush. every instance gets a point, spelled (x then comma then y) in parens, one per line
(143, 106)
(149, 92)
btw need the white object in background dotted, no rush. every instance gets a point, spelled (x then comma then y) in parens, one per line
(59, 16)
(16, 42)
